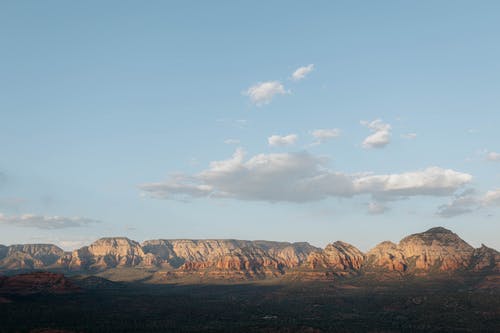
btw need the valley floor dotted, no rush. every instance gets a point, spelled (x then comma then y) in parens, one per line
(349, 306)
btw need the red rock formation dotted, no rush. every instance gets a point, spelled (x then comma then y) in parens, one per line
(30, 256)
(436, 248)
(110, 252)
(386, 255)
(338, 256)
(485, 258)
(39, 282)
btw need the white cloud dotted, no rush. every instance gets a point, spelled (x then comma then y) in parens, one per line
(376, 208)
(409, 136)
(231, 141)
(263, 92)
(70, 245)
(323, 135)
(287, 140)
(381, 135)
(492, 156)
(45, 222)
(433, 181)
(491, 198)
(301, 72)
(239, 123)
(300, 177)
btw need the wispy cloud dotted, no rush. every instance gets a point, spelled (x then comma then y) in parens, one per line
(263, 92)
(278, 140)
(462, 203)
(239, 123)
(492, 156)
(231, 141)
(376, 208)
(409, 136)
(45, 222)
(491, 198)
(381, 134)
(468, 202)
(323, 135)
(301, 72)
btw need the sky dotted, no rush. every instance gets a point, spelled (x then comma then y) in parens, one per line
(317, 121)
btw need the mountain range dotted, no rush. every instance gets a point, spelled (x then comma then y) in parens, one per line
(434, 251)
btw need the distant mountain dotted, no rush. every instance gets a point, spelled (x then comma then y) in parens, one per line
(434, 251)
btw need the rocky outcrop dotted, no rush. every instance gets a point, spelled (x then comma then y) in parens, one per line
(485, 258)
(386, 256)
(39, 282)
(223, 257)
(3, 251)
(109, 253)
(289, 255)
(437, 249)
(30, 256)
(338, 256)
(163, 250)
(253, 257)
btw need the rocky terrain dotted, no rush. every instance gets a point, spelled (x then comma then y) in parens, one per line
(38, 282)
(437, 250)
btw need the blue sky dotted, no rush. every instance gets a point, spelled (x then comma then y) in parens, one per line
(112, 114)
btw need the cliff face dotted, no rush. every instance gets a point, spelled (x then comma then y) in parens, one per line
(289, 255)
(386, 256)
(255, 257)
(338, 256)
(108, 253)
(485, 258)
(433, 251)
(29, 256)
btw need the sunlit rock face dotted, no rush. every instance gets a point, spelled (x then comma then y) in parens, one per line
(289, 255)
(256, 257)
(338, 256)
(251, 261)
(107, 253)
(436, 249)
(228, 258)
(386, 256)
